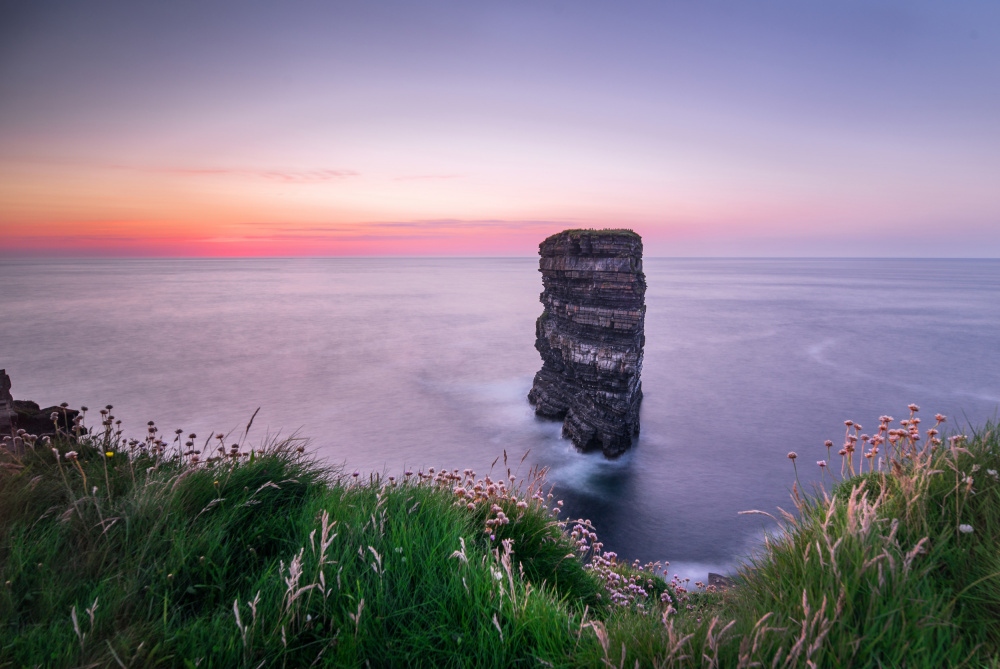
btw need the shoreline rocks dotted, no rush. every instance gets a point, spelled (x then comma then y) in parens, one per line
(6, 406)
(591, 336)
(26, 415)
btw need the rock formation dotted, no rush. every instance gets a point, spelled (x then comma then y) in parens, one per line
(590, 336)
(6, 406)
(28, 416)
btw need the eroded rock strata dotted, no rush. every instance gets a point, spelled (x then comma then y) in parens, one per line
(590, 336)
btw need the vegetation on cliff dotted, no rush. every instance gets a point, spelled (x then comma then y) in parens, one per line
(182, 552)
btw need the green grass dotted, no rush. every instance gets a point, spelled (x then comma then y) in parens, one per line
(153, 556)
(578, 232)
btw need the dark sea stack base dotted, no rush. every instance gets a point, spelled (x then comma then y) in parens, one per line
(590, 336)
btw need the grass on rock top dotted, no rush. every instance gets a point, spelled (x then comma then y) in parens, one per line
(118, 552)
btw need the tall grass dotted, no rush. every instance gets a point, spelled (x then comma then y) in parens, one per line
(190, 552)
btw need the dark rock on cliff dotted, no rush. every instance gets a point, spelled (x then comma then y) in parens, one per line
(6, 405)
(26, 415)
(590, 336)
(36, 421)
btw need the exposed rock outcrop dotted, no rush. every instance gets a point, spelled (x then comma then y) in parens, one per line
(39, 422)
(590, 336)
(6, 406)
(28, 416)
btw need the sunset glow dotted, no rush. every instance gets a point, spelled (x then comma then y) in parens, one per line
(182, 129)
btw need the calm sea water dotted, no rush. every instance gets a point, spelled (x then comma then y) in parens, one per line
(393, 363)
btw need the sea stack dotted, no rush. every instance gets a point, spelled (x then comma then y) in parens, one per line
(590, 336)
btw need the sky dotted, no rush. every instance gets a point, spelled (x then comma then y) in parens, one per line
(216, 128)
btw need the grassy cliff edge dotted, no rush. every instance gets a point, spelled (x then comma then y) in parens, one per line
(135, 553)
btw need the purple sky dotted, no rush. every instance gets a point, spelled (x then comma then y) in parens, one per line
(477, 128)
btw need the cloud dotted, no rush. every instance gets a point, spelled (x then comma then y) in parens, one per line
(282, 176)
(425, 177)
(449, 227)
(489, 223)
(320, 238)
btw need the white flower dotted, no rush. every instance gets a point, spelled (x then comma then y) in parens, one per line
(965, 529)
(992, 472)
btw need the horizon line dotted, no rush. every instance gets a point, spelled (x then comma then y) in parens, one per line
(483, 257)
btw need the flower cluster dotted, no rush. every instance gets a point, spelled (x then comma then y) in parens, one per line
(902, 442)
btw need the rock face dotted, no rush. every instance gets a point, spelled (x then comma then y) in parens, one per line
(28, 416)
(6, 406)
(590, 336)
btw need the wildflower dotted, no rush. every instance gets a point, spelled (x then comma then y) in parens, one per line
(792, 455)
(821, 463)
(828, 443)
(965, 529)
(848, 423)
(939, 418)
(914, 407)
(109, 454)
(71, 455)
(992, 472)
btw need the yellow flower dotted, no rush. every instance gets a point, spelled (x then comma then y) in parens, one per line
(109, 454)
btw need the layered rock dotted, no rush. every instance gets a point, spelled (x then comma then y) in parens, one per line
(590, 336)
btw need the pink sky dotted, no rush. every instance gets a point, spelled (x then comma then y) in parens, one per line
(187, 130)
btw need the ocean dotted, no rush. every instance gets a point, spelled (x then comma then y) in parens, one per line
(388, 364)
